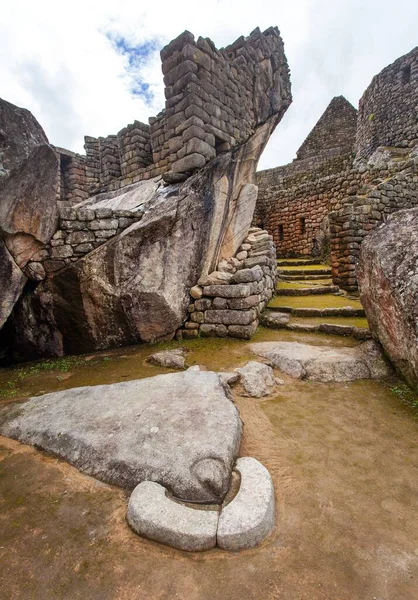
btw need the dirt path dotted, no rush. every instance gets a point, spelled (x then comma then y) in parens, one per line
(344, 459)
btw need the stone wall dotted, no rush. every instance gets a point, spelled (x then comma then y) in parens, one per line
(80, 231)
(215, 100)
(335, 130)
(230, 300)
(388, 108)
(294, 200)
(337, 191)
(360, 214)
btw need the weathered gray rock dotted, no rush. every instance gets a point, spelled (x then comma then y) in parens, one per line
(135, 286)
(171, 359)
(249, 518)
(28, 201)
(28, 207)
(319, 363)
(257, 379)
(274, 320)
(154, 515)
(388, 279)
(179, 430)
(12, 281)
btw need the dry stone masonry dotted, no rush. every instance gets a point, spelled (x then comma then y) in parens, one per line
(350, 173)
(229, 301)
(147, 214)
(215, 100)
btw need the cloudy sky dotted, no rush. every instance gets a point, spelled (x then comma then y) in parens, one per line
(90, 67)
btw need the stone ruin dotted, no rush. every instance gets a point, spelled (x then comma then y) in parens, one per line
(104, 248)
(352, 171)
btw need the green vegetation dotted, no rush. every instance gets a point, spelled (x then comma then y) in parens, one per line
(406, 395)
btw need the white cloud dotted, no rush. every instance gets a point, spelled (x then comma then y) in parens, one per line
(57, 60)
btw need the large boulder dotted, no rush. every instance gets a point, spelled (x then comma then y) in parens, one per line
(136, 286)
(12, 280)
(178, 430)
(388, 279)
(28, 205)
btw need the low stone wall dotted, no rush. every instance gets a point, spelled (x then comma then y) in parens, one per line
(229, 301)
(80, 231)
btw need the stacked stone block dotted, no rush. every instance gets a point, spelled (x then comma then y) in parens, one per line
(214, 101)
(81, 230)
(134, 149)
(361, 214)
(210, 99)
(388, 108)
(229, 301)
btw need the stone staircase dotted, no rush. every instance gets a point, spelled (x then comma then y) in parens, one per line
(306, 300)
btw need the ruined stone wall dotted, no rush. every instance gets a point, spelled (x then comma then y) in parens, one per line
(215, 99)
(352, 220)
(228, 302)
(80, 230)
(295, 199)
(335, 130)
(388, 108)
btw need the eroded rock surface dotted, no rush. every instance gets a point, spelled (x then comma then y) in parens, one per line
(303, 361)
(28, 206)
(179, 430)
(388, 278)
(171, 359)
(257, 379)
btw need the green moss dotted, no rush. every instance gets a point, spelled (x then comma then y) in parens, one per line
(321, 301)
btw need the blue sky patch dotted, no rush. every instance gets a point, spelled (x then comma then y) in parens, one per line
(137, 56)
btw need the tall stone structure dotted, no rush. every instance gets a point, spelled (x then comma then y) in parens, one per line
(293, 201)
(349, 174)
(156, 210)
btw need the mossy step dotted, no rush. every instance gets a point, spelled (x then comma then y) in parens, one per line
(317, 306)
(346, 330)
(309, 270)
(296, 262)
(359, 322)
(317, 269)
(302, 283)
(307, 291)
(305, 278)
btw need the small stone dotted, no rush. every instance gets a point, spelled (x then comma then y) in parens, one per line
(196, 292)
(170, 359)
(256, 379)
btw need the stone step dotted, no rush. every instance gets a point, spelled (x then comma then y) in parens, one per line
(307, 291)
(321, 270)
(297, 262)
(359, 333)
(286, 277)
(343, 311)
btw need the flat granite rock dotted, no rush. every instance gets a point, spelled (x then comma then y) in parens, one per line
(179, 430)
(303, 361)
(171, 359)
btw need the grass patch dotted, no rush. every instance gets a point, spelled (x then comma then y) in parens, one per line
(406, 395)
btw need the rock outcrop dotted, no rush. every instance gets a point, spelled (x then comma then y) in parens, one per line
(179, 430)
(28, 206)
(388, 277)
(135, 286)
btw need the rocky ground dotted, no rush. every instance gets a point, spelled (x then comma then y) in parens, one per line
(342, 456)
